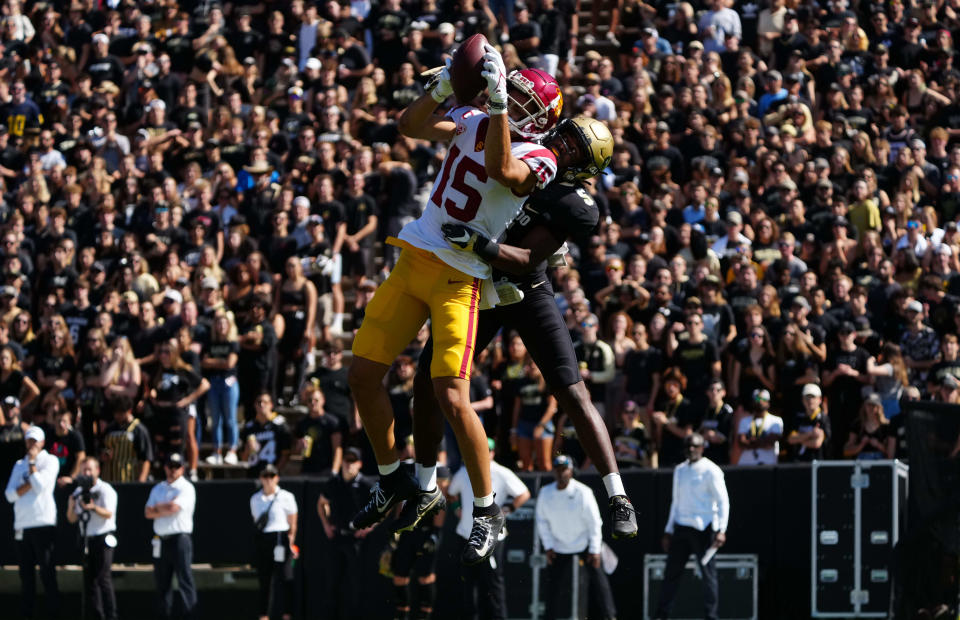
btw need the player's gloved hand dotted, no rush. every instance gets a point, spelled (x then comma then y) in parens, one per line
(470, 240)
(439, 85)
(495, 73)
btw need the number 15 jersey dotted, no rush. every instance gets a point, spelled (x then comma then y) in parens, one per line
(464, 194)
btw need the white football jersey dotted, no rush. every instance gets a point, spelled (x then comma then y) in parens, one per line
(464, 194)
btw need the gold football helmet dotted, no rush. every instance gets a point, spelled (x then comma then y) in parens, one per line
(589, 145)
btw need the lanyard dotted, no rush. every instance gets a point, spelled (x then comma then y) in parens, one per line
(756, 427)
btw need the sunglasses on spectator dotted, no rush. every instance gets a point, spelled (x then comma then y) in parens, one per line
(588, 324)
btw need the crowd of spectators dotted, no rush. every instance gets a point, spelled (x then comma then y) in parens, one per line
(194, 197)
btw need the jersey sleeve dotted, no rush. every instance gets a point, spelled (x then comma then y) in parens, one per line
(540, 159)
(462, 116)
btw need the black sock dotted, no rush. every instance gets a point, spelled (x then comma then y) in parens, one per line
(486, 511)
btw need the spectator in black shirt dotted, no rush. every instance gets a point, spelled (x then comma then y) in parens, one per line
(674, 419)
(319, 436)
(809, 430)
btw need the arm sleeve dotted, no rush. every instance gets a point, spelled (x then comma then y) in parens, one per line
(45, 477)
(593, 521)
(187, 499)
(289, 504)
(110, 499)
(253, 506)
(153, 498)
(672, 517)
(12, 484)
(723, 500)
(515, 485)
(541, 160)
(543, 526)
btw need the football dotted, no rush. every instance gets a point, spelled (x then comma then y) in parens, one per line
(465, 69)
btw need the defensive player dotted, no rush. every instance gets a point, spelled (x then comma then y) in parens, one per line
(483, 182)
(563, 209)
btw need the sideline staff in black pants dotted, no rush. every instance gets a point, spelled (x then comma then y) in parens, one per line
(170, 506)
(344, 495)
(97, 516)
(569, 526)
(274, 512)
(699, 512)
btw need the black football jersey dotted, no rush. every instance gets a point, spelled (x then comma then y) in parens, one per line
(568, 210)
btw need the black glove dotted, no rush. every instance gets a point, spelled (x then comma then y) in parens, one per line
(470, 240)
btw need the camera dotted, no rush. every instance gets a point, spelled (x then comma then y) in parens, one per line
(85, 484)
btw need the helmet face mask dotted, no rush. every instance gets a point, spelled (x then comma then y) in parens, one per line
(585, 143)
(534, 103)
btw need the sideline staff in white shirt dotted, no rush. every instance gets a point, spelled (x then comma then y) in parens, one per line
(569, 525)
(483, 583)
(98, 523)
(30, 490)
(274, 512)
(699, 512)
(170, 506)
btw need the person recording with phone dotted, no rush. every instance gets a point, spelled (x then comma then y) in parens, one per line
(699, 512)
(93, 504)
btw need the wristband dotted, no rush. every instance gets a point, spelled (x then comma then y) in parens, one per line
(438, 96)
(495, 108)
(487, 249)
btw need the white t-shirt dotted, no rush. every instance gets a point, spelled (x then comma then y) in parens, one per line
(506, 486)
(185, 496)
(464, 194)
(754, 427)
(285, 505)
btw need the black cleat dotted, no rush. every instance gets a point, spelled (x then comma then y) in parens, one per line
(388, 492)
(483, 538)
(421, 506)
(623, 517)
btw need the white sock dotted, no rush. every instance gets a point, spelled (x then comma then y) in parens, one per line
(427, 476)
(483, 502)
(386, 470)
(613, 484)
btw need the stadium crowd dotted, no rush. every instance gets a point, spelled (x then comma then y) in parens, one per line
(195, 196)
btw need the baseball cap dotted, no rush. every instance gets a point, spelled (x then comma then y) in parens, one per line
(874, 399)
(695, 45)
(446, 28)
(130, 296)
(301, 200)
(313, 63)
(101, 38)
(157, 104)
(562, 460)
(269, 471)
(761, 394)
(846, 328)
(35, 433)
(209, 282)
(734, 217)
(915, 306)
(12, 402)
(173, 296)
(352, 454)
(174, 460)
(811, 389)
(9, 291)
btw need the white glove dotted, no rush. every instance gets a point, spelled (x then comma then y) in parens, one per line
(495, 73)
(442, 88)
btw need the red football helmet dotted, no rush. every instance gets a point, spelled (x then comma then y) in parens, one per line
(540, 110)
